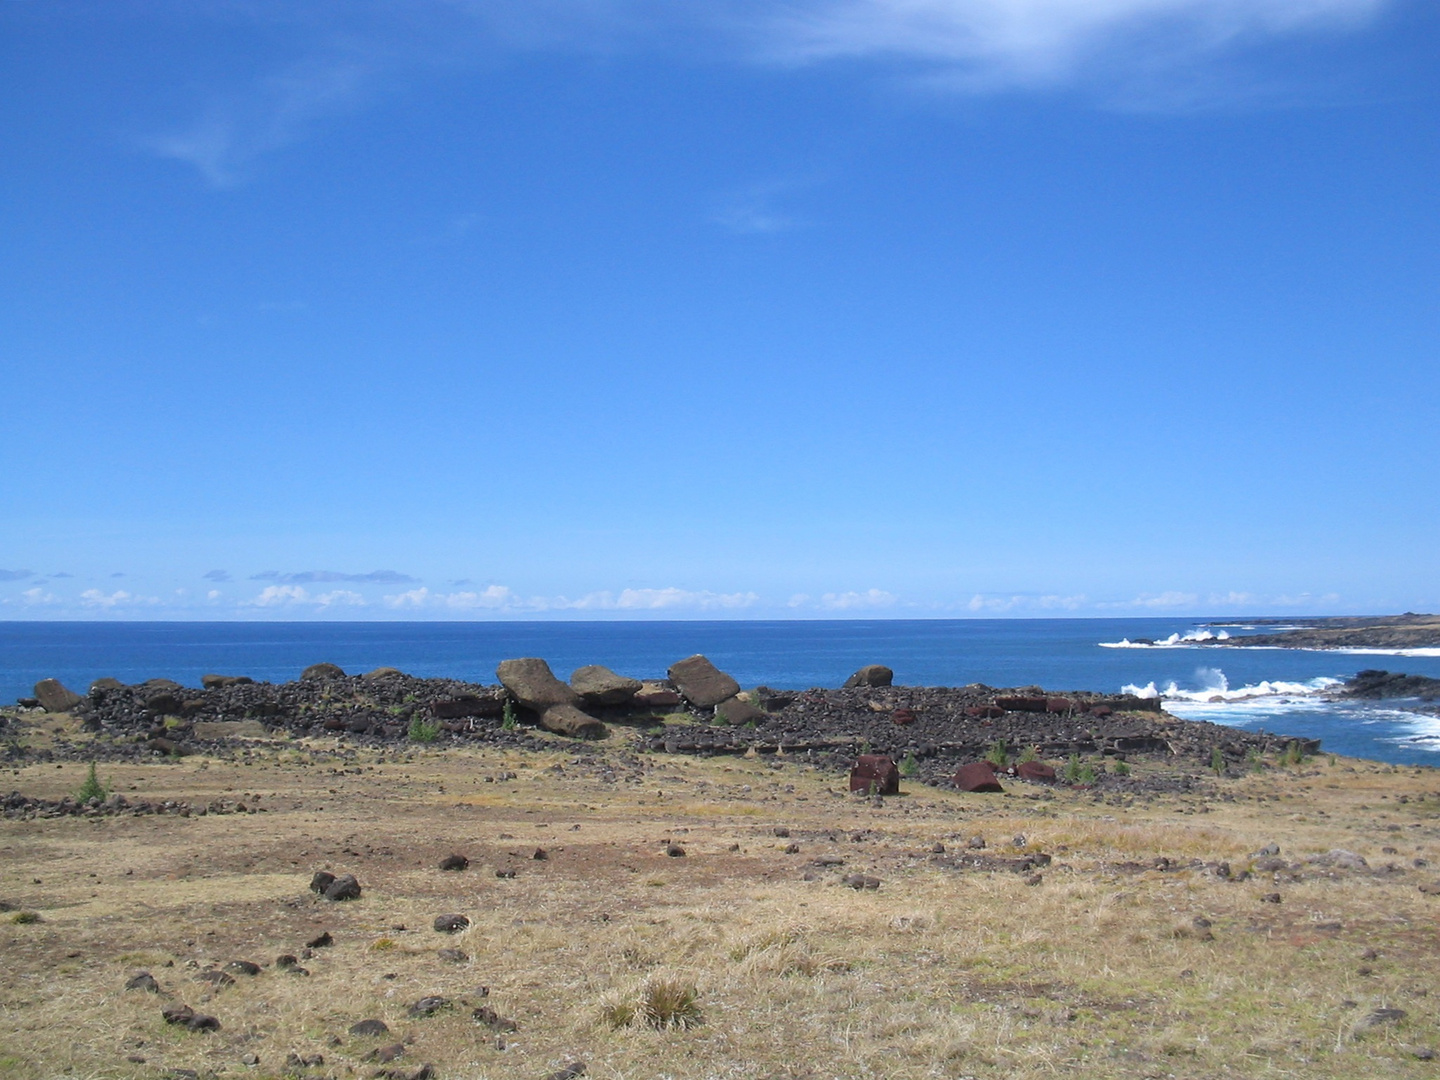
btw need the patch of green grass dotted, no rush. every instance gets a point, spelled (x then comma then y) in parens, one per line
(909, 767)
(422, 730)
(998, 754)
(25, 918)
(508, 720)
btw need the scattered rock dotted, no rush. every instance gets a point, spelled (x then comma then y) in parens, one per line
(493, 1020)
(454, 956)
(324, 941)
(540, 855)
(571, 1071)
(285, 960)
(870, 675)
(861, 881)
(143, 980)
(322, 672)
(450, 924)
(186, 1017)
(387, 1054)
(454, 862)
(344, 887)
(675, 851)
(369, 1029)
(321, 881)
(569, 720)
(220, 682)
(738, 712)
(1036, 772)
(217, 979)
(1270, 898)
(1380, 1017)
(429, 1006)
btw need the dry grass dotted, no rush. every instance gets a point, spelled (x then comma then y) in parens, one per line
(725, 963)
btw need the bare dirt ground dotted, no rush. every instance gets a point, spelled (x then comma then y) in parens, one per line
(1129, 955)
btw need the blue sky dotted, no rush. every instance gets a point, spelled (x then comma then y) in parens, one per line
(628, 308)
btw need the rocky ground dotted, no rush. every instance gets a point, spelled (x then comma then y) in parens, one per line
(696, 711)
(1408, 631)
(554, 907)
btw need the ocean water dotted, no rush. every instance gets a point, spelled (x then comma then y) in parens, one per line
(1278, 690)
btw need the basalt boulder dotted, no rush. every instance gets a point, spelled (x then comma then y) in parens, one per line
(738, 711)
(531, 682)
(701, 683)
(55, 697)
(871, 675)
(598, 686)
(568, 720)
(322, 672)
(977, 776)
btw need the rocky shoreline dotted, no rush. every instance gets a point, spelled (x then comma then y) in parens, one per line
(1407, 631)
(696, 709)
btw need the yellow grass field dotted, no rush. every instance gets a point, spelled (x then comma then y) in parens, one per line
(773, 967)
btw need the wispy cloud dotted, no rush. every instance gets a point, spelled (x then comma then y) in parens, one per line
(216, 575)
(1164, 601)
(349, 53)
(501, 599)
(755, 210)
(94, 598)
(982, 603)
(311, 577)
(16, 575)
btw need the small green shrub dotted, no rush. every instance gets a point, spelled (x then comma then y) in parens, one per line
(1255, 760)
(24, 918)
(1217, 761)
(1071, 772)
(909, 766)
(508, 720)
(669, 1003)
(1293, 754)
(92, 788)
(1086, 774)
(998, 754)
(1122, 768)
(422, 730)
(1028, 755)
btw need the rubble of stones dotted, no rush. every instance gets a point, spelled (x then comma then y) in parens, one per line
(933, 727)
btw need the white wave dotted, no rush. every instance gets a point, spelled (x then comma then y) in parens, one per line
(1384, 652)
(1221, 693)
(1174, 641)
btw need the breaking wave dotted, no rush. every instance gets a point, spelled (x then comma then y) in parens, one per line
(1174, 641)
(1218, 691)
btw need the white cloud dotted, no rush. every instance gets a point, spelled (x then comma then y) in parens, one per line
(493, 598)
(296, 596)
(37, 597)
(94, 598)
(1004, 605)
(853, 601)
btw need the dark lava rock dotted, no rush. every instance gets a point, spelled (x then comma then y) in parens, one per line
(598, 686)
(976, 776)
(55, 697)
(322, 880)
(462, 706)
(143, 981)
(217, 979)
(304, 1061)
(428, 1006)
(220, 682)
(1037, 772)
(505, 874)
(454, 862)
(493, 1020)
(243, 967)
(861, 881)
(345, 887)
(876, 774)
(369, 1028)
(1378, 1017)
(450, 924)
(285, 960)
(701, 683)
(675, 851)
(454, 956)
(1270, 898)
(871, 675)
(324, 941)
(386, 1053)
(902, 717)
(572, 721)
(572, 1071)
(186, 1017)
(540, 854)
(1369, 684)
(737, 712)
(322, 672)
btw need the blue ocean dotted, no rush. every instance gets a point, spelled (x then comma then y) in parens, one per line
(1279, 690)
